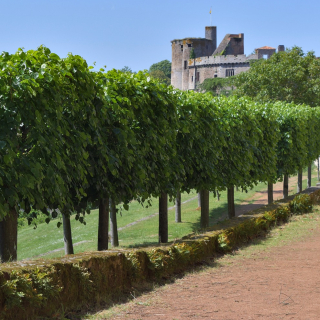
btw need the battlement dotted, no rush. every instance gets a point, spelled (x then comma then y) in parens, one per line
(221, 59)
(210, 61)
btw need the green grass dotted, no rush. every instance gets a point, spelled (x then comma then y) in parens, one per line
(45, 238)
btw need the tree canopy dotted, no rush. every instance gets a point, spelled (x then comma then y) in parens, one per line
(159, 74)
(291, 76)
(164, 66)
(217, 86)
(126, 69)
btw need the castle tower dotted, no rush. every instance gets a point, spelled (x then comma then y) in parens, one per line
(181, 50)
(211, 34)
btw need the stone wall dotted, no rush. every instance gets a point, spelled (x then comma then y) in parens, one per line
(181, 49)
(213, 71)
(176, 69)
(231, 44)
(265, 52)
(236, 45)
(228, 59)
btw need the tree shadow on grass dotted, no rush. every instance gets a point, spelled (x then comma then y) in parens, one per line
(220, 214)
(144, 244)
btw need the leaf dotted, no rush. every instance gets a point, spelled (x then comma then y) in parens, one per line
(38, 116)
(6, 159)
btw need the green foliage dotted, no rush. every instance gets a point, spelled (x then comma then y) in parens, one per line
(217, 86)
(42, 129)
(28, 290)
(33, 217)
(140, 109)
(243, 232)
(246, 157)
(301, 204)
(159, 74)
(192, 54)
(69, 136)
(315, 197)
(199, 147)
(98, 151)
(164, 66)
(298, 145)
(126, 69)
(290, 76)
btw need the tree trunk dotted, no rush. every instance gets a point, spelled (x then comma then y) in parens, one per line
(103, 227)
(237, 188)
(8, 236)
(163, 218)
(285, 186)
(299, 186)
(199, 199)
(270, 192)
(113, 224)
(309, 176)
(218, 195)
(178, 207)
(67, 236)
(231, 209)
(318, 170)
(204, 221)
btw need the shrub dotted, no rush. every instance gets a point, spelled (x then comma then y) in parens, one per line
(302, 203)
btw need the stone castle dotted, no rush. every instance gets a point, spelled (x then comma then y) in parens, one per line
(210, 61)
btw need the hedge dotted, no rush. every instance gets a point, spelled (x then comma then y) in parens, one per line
(53, 287)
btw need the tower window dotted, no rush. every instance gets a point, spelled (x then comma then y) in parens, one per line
(229, 72)
(197, 76)
(181, 47)
(185, 64)
(191, 78)
(189, 45)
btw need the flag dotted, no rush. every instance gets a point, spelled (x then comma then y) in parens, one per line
(210, 11)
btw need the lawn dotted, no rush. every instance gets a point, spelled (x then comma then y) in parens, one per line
(47, 237)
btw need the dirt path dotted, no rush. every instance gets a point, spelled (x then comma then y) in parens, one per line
(284, 284)
(260, 198)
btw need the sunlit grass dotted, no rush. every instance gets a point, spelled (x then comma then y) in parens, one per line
(46, 238)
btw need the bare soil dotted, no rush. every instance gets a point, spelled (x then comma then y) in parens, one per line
(285, 284)
(282, 284)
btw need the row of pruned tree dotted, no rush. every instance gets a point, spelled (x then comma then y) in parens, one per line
(71, 138)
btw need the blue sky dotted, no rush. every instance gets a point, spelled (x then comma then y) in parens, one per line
(137, 33)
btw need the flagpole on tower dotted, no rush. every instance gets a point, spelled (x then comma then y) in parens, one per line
(210, 17)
